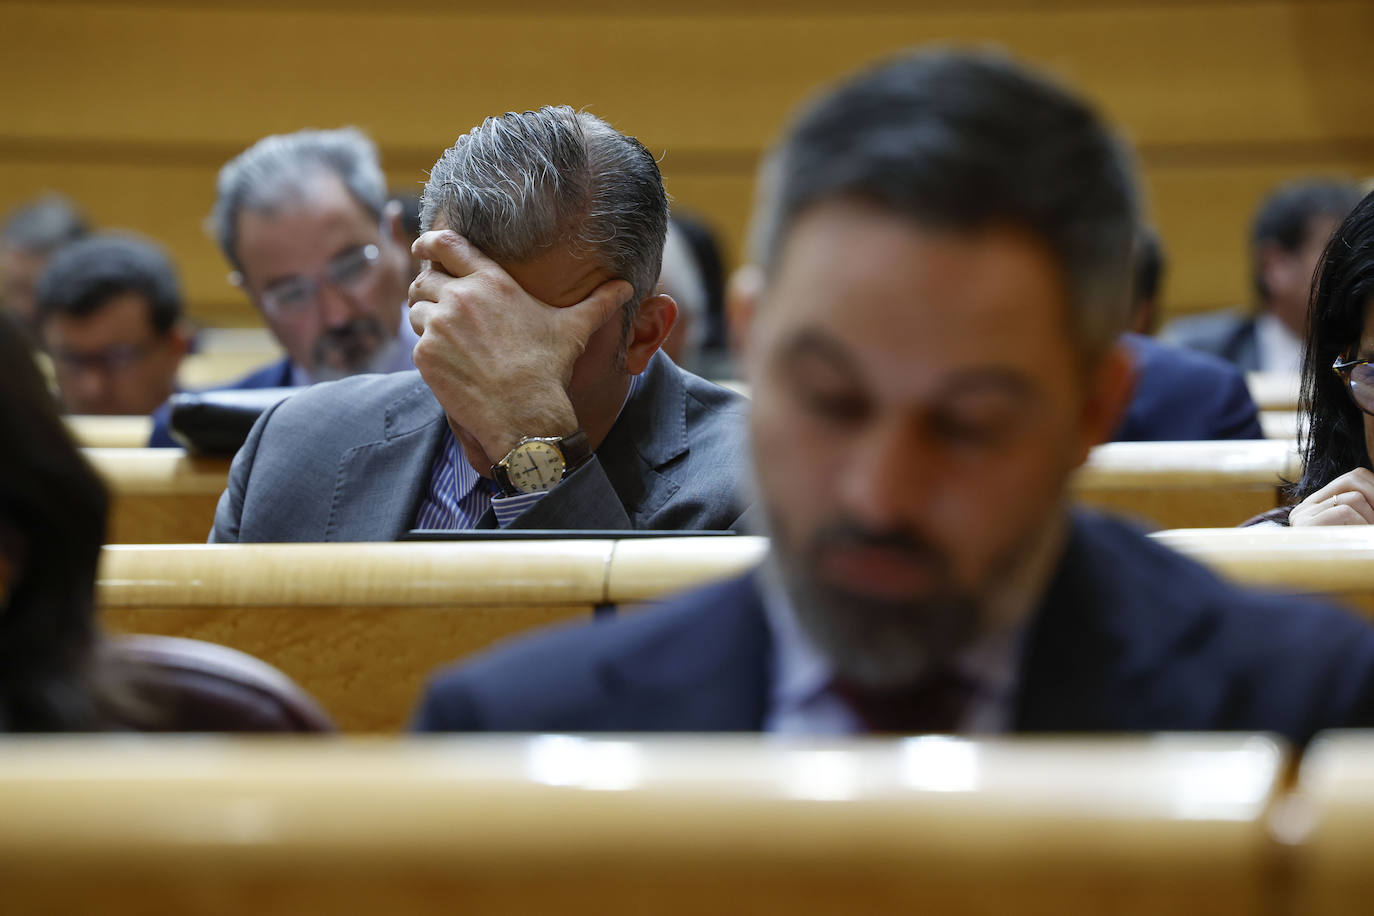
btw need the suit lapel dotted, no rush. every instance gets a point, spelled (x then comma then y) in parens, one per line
(708, 672)
(651, 431)
(380, 483)
(1096, 647)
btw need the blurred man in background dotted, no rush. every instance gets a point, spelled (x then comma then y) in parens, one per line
(1287, 236)
(110, 315)
(306, 223)
(29, 237)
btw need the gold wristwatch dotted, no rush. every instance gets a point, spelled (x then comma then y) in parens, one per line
(537, 464)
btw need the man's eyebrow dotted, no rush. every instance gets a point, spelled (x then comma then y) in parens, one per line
(987, 380)
(813, 343)
(285, 278)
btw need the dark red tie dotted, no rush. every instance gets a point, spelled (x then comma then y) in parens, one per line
(933, 705)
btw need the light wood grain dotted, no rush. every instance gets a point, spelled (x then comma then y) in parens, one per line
(687, 825)
(110, 432)
(1328, 822)
(1225, 99)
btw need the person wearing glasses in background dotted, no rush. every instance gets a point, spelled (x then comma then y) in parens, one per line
(109, 313)
(314, 240)
(1337, 485)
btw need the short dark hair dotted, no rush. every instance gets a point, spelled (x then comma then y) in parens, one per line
(44, 225)
(1150, 261)
(85, 275)
(1332, 440)
(964, 140)
(1285, 216)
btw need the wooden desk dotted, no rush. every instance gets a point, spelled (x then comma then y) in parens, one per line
(1274, 390)
(1328, 824)
(110, 432)
(359, 626)
(1186, 484)
(1336, 562)
(559, 824)
(159, 495)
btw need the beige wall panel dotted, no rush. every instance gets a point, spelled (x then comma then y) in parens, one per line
(1207, 72)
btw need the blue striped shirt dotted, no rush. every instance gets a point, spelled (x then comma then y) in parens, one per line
(458, 496)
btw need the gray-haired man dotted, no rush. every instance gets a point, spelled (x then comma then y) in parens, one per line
(541, 399)
(305, 222)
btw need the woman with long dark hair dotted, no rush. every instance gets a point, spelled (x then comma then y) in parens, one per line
(1337, 484)
(56, 672)
(52, 523)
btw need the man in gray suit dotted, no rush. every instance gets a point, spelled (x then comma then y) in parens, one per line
(541, 399)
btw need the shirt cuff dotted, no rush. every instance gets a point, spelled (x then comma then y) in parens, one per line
(509, 508)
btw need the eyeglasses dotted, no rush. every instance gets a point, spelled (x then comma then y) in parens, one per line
(109, 361)
(295, 296)
(1358, 375)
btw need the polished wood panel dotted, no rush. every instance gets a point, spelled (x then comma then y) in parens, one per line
(672, 826)
(1336, 562)
(1186, 484)
(207, 370)
(1328, 822)
(1225, 99)
(1274, 390)
(159, 495)
(1281, 424)
(359, 626)
(644, 570)
(109, 432)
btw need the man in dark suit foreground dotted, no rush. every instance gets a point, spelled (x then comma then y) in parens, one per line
(946, 242)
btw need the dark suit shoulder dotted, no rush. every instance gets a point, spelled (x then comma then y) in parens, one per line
(1185, 395)
(1160, 642)
(645, 670)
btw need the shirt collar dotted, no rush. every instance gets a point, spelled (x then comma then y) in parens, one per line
(801, 672)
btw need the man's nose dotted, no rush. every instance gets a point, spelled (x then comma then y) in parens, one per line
(889, 479)
(335, 308)
(89, 385)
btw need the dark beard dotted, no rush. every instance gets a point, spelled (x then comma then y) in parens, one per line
(348, 348)
(878, 643)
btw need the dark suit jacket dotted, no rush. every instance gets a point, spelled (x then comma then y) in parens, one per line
(351, 461)
(1228, 334)
(275, 375)
(1130, 637)
(1182, 395)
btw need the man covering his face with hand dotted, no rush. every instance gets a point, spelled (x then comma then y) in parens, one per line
(541, 399)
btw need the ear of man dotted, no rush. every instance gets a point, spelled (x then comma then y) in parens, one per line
(1110, 385)
(652, 323)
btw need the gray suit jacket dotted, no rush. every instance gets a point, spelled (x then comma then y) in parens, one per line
(1229, 334)
(351, 460)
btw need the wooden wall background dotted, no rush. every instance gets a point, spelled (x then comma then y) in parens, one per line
(131, 107)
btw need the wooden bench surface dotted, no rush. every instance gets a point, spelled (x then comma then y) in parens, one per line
(93, 431)
(159, 495)
(1328, 824)
(669, 825)
(165, 496)
(1337, 562)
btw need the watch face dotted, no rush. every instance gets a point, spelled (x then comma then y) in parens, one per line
(534, 467)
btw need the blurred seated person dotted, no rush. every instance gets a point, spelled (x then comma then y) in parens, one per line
(934, 351)
(29, 237)
(305, 223)
(1287, 236)
(681, 278)
(110, 316)
(1337, 485)
(56, 672)
(541, 400)
(1180, 395)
